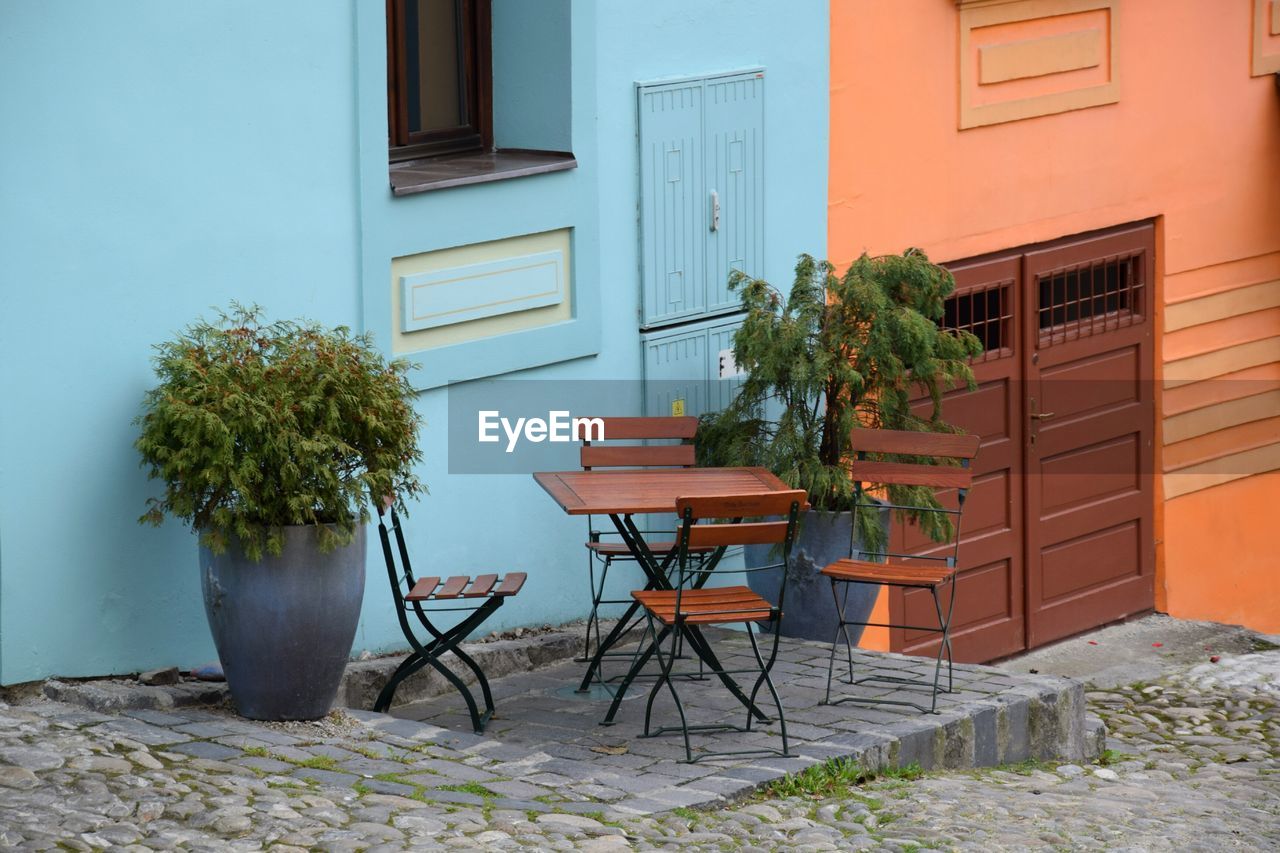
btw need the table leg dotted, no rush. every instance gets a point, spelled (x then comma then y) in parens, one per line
(656, 576)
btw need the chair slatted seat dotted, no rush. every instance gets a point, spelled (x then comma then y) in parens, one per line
(706, 606)
(510, 585)
(481, 595)
(881, 570)
(861, 571)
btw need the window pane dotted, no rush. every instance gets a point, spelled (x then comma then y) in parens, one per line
(1092, 291)
(435, 79)
(986, 312)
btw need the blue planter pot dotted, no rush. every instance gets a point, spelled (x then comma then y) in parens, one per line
(284, 626)
(809, 610)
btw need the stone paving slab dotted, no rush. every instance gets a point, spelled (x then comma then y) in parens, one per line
(991, 718)
(1192, 765)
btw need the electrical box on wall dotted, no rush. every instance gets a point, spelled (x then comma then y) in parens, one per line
(689, 370)
(701, 192)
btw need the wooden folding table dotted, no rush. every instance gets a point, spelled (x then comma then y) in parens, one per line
(622, 494)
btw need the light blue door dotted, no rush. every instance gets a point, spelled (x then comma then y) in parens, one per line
(672, 212)
(733, 122)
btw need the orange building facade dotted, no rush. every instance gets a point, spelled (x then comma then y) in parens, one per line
(1103, 177)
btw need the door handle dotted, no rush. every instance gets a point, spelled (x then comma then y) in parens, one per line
(715, 211)
(1043, 416)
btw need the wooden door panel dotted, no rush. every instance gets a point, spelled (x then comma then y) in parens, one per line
(1089, 504)
(1084, 476)
(1058, 527)
(988, 615)
(988, 620)
(1089, 561)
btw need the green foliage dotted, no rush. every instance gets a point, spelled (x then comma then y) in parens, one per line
(257, 426)
(840, 353)
(836, 777)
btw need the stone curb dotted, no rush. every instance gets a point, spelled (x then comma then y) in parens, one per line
(1005, 720)
(364, 679)
(359, 688)
(1042, 718)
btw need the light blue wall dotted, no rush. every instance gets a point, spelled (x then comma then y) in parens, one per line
(159, 159)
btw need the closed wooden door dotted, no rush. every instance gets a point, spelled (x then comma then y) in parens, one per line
(1091, 424)
(1056, 535)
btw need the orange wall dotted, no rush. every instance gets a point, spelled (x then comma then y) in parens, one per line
(1234, 522)
(1192, 140)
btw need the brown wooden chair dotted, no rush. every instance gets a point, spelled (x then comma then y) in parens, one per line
(601, 547)
(480, 595)
(681, 612)
(879, 566)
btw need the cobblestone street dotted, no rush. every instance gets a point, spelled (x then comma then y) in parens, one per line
(1194, 763)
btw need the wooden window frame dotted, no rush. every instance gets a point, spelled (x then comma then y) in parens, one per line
(476, 42)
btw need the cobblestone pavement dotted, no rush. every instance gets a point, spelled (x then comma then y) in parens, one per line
(1195, 764)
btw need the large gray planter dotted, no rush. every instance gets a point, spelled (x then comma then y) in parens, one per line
(284, 626)
(809, 610)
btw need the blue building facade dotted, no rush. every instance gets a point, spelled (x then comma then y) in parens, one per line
(161, 160)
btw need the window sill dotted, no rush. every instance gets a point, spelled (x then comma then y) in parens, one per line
(438, 173)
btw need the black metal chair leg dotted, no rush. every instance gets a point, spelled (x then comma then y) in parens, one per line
(768, 681)
(942, 648)
(619, 629)
(640, 661)
(946, 639)
(460, 632)
(704, 652)
(416, 660)
(407, 667)
(842, 627)
(478, 720)
(664, 678)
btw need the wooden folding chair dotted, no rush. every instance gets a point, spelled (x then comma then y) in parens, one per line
(876, 567)
(681, 612)
(481, 596)
(604, 550)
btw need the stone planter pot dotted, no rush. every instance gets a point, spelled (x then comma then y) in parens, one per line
(809, 610)
(284, 626)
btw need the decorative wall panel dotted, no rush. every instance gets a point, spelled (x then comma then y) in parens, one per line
(1266, 37)
(480, 291)
(1032, 58)
(459, 294)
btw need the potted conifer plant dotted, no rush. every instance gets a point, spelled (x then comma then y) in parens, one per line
(270, 438)
(858, 350)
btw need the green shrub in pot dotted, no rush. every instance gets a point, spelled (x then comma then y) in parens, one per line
(269, 438)
(838, 353)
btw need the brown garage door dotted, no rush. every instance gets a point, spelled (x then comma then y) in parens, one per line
(1057, 530)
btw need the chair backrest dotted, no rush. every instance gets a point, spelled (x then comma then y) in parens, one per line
(885, 442)
(716, 521)
(595, 454)
(396, 574)
(696, 509)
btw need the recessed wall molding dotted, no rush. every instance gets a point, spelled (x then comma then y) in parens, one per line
(459, 294)
(1266, 37)
(481, 292)
(1025, 58)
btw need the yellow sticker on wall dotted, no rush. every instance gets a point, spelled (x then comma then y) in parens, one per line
(677, 408)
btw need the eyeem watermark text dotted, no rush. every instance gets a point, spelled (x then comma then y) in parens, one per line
(559, 426)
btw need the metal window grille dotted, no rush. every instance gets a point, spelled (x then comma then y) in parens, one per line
(986, 312)
(1090, 298)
